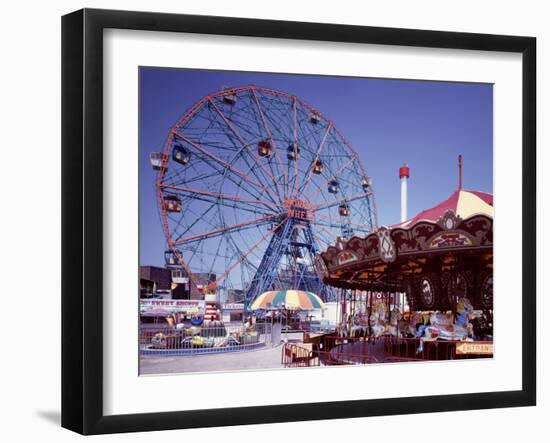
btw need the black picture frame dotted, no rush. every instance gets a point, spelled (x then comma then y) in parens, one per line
(82, 218)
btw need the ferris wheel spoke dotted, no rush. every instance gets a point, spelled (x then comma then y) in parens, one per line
(344, 223)
(253, 170)
(217, 165)
(270, 135)
(251, 190)
(177, 177)
(224, 230)
(247, 147)
(229, 167)
(277, 123)
(216, 232)
(317, 154)
(193, 250)
(237, 247)
(336, 174)
(322, 242)
(311, 143)
(332, 203)
(295, 139)
(201, 259)
(331, 234)
(219, 196)
(197, 219)
(246, 254)
(342, 220)
(274, 198)
(227, 204)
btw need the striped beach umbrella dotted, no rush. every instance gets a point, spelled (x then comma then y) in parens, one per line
(290, 299)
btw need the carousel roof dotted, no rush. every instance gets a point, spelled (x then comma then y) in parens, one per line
(461, 226)
(464, 204)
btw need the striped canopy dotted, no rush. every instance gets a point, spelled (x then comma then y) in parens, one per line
(291, 299)
(463, 203)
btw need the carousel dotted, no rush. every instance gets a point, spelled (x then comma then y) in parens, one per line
(437, 257)
(436, 268)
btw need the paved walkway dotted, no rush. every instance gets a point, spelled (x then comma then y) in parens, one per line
(265, 358)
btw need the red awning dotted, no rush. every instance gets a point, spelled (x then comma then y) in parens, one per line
(156, 313)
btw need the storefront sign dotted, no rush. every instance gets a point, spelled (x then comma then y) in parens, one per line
(174, 305)
(476, 348)
(232, 307)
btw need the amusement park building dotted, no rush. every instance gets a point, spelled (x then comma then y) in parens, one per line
(155, 281)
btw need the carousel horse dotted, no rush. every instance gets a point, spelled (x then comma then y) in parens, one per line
(342, 329)
(403, 327)
(414, 319)
(377, 320)
(359, 324)
(463, 311)
(392, 327)
(445, 326)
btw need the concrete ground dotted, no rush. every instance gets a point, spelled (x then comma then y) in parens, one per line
(263, 358)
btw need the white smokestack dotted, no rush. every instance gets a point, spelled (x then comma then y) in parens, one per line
(404, 174)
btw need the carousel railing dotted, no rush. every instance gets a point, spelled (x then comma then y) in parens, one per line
(350, 350)
(401, 348)
(333, 349)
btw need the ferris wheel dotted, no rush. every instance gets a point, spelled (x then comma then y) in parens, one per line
(252, 183)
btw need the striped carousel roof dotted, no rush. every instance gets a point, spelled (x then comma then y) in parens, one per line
(463, 203)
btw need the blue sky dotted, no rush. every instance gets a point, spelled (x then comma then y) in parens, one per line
(388, 122)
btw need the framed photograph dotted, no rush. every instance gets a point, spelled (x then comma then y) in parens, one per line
(269, 221)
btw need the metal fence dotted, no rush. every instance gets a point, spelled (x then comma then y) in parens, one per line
(406, 348)
(212, 338)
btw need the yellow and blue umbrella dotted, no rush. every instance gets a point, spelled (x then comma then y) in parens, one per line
(290, 299)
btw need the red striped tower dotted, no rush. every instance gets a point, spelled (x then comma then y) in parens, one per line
(211, 299)
(404, 174)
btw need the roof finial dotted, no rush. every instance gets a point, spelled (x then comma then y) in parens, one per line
(460, 172)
